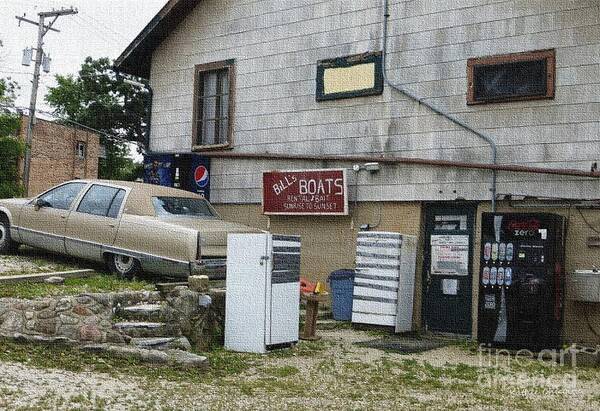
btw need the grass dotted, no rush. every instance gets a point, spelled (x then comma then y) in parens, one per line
(72, 286)
(35, 261)
(317, 369)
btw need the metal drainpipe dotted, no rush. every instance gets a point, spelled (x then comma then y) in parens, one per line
(436, 110)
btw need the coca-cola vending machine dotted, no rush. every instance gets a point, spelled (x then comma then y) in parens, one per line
(521, 280)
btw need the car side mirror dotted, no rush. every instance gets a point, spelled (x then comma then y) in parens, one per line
(39, 203)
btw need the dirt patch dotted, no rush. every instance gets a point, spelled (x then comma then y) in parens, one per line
(333, 373)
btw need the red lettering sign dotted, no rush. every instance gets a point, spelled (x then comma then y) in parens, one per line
(305, 192)
(531, 224)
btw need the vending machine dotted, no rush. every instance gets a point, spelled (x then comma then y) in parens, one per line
(521, 280)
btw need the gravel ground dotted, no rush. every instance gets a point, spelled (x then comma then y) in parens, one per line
(30, 261)
(331, 374)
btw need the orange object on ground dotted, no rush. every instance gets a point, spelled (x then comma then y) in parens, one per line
(306, 286)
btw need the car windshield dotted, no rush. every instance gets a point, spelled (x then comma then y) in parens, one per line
(183, 206)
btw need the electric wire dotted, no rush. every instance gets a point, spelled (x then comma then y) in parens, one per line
(591, 227)
(110, 137)
(102, 25)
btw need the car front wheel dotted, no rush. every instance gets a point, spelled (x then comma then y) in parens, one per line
(124, 266)
(7, 245)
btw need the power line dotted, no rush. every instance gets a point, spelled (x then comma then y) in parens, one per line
(103, 25)
(112, 137)
(94, 28)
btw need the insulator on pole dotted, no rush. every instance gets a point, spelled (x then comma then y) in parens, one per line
(46, 60)
(27, 56)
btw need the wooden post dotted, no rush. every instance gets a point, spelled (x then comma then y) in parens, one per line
(312, 311)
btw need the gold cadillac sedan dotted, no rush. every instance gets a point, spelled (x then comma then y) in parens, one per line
(131, 227)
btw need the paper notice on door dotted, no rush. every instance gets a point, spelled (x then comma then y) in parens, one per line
(450, 286)
(450, 254)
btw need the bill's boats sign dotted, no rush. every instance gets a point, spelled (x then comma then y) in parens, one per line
(305, 192)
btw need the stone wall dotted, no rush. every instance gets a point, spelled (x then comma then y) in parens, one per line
(201, 317)
(89, 318)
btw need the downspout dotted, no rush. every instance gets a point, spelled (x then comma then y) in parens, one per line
(436, 110)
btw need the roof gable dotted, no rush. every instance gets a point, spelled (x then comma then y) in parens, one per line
(136, 58)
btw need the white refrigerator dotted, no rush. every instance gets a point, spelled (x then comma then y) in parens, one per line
(262, 308)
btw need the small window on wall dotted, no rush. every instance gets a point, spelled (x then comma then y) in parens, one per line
(81, 150)
(351, 76)
(213, 104)
(511, 77)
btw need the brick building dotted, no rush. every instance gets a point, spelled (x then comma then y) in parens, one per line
(59, 153)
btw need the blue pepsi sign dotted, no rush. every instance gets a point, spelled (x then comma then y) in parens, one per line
(200, 172)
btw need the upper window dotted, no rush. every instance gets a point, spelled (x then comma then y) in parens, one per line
(81, 150)
(102, 201)
(511, 77)
(351, 76)
(62, 197)
(213, 104)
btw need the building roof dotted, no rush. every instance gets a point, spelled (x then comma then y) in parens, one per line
(137, 56)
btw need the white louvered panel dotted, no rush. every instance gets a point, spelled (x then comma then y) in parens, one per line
(384, 281)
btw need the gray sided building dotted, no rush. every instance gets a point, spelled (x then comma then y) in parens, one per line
(248, 83)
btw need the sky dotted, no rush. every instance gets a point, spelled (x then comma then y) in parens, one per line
(101, 28)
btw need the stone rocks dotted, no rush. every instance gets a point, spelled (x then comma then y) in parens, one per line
(88, 318)
(56, 280)
(81, 310)
(162, 343)
(64, 304)
(90, 332)
(149, 312)
(198, 283)
(172, 357)
(73, 317)
(46, 326)
(144, 329)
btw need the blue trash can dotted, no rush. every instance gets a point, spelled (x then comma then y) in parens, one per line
(341, 283)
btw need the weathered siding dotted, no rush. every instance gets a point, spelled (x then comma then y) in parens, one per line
(276, 45)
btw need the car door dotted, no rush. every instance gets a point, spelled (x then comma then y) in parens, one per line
(94, 222)
(44, 226)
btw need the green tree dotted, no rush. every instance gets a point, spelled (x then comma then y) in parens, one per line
(96, 97)
(8, 91)
(11, 149)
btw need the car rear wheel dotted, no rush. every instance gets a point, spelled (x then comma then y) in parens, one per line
(7, 245)
(124, 266)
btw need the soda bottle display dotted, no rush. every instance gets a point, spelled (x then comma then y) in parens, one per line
(509, 251)
(485, 277)
(502, 251)
(500, 279)
(508, 276)
(493, 275)
(487, 251)
(494, 251)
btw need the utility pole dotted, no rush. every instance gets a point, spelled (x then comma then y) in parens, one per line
(42, 30)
